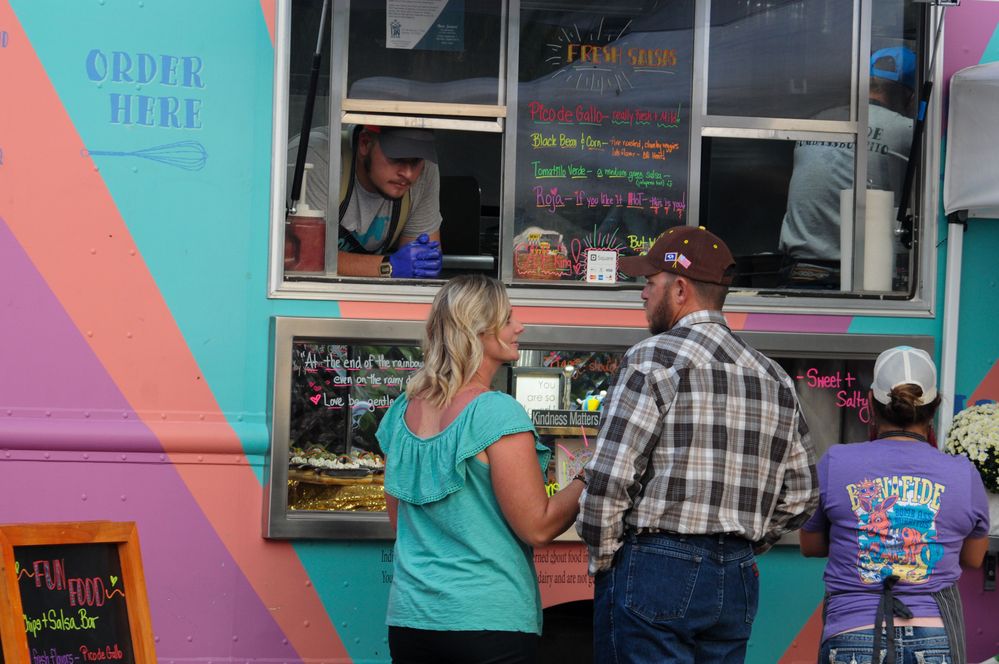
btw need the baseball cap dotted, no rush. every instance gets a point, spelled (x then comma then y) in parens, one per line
(895, 63)
(690, 251)
(405, 142)
(904, 365)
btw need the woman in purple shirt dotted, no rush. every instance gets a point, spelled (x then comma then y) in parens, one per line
(897, 518)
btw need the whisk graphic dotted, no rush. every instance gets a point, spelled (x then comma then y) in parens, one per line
(188, 155)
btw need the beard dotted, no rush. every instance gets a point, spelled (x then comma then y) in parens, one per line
(660, 317)
(366, 163)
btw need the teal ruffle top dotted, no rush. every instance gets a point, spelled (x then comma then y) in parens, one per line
(457, 565)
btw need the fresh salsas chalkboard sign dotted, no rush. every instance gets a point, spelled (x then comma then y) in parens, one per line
(74, 594)
(603, 132)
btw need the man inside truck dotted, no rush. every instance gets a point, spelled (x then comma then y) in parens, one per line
(389, 210)
(810, 232)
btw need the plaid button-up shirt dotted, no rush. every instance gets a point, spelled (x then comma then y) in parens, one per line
(701, 434)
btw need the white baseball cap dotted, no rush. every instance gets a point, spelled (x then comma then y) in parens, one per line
(904, 365)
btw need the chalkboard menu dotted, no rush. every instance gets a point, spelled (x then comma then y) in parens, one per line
(603, 131)
(74, 593)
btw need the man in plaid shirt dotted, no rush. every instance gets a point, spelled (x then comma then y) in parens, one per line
(702, 462)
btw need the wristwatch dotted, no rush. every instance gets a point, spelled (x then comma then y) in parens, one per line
(385, 269)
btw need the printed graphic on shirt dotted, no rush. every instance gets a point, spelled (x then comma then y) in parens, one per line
(372, 238)
(896, 527)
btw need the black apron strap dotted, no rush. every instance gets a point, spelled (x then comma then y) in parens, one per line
(889, 607)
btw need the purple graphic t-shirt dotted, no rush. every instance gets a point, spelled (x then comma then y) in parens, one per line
(894, 507)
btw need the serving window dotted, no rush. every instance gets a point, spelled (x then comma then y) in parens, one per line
(568, 136)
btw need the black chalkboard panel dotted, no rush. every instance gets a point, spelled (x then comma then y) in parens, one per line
(603, 131)
(73, 592)
(73, 602)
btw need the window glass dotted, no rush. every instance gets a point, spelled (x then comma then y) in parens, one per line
(432, 51)
(891, 112)
(780, 59)
(799, 231)
(744, 194)
(603, 121)
(305, 231)
(339, 393)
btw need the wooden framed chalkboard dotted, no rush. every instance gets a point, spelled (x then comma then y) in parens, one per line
(73, 592)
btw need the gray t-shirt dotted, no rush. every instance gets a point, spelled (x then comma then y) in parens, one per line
(824, 168)
(368, 215)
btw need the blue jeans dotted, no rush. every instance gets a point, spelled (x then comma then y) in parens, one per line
(676, 598)
(913, 645)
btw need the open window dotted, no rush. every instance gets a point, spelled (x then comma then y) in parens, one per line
(568, 135)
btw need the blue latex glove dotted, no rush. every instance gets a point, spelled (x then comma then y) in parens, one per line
(420, 259)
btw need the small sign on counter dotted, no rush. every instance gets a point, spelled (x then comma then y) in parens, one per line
(601, 266)
(589, 419)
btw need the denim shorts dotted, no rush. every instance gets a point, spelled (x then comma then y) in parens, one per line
(913, 645)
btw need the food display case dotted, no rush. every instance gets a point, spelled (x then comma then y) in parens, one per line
(334, 379)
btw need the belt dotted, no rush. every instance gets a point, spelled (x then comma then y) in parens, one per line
(721, 537)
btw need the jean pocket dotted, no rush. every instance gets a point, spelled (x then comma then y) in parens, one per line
(848, 656)
(929, 656)
(660, 582)
(751, 584)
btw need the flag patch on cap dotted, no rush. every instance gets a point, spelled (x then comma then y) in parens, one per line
(684, 261)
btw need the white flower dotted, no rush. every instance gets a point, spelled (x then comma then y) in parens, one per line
(974, 433)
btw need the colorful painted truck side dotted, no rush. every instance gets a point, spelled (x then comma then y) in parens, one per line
(135, 179)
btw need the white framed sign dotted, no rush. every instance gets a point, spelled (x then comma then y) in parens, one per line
(538, 388)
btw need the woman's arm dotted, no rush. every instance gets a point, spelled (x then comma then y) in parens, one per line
(973, 551)
(813, 544)
(392, 506)
(520, 491)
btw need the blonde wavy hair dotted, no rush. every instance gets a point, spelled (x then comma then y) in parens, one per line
(466, 307)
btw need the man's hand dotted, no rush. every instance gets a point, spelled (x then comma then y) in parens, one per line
(420, 259)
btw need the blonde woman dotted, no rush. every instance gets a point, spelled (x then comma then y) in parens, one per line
(465, 491)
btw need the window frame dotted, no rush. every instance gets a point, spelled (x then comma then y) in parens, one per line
(920, 301)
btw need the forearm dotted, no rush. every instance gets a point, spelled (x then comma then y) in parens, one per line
(973, 552)
(358, 265)
(560, 512)
(392, 507)
(813, 544)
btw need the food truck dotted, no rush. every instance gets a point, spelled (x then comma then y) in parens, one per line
(181, 350)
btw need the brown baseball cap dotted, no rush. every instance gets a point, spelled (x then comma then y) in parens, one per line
(690, 251)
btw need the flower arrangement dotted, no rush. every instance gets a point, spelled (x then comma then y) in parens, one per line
(975, 434)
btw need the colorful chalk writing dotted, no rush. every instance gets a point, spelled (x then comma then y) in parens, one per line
(552, 199)
(339, 392)
(74, 608)
(842, 382)
(602, 133)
